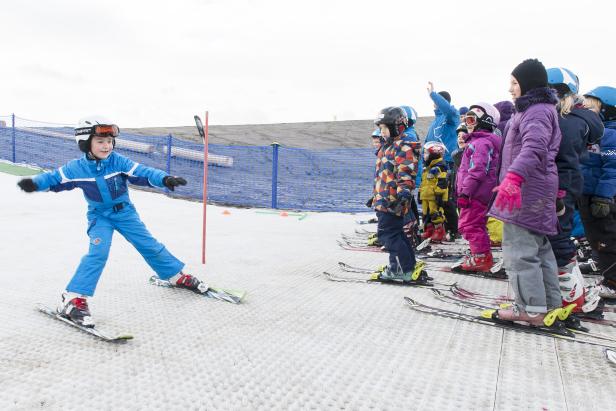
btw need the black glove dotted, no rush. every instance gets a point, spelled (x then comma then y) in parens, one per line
(171, 182)
(27, 184)
(369, 202)
(600, 207)
(439, 201)
(560, 207)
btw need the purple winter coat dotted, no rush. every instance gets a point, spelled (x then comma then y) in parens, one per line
(532, 139)
(478, 171)
(506, 110)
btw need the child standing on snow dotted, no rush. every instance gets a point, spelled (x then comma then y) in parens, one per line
(434, 191)
(476, 178)
(104, 176)
(393, 188)
(596, 205)
(579, 127)
(526, 196)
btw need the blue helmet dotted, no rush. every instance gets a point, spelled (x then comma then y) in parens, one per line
(376, 133)
(561, 75)
(410, 113)
(606, 94)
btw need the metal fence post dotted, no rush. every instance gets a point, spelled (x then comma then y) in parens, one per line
(168, 168)
(275, 174)
(13, 137)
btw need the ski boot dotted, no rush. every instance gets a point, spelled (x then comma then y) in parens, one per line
(427, 232)
(439, 233)
(374, 242)
(74, 307)
(607, 290)
(589, 267)
(551, 322)
(571, 285)
(417, 276)
(188, 282)
(481, 263)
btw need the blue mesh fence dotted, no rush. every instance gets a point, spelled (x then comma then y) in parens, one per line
(311, 180)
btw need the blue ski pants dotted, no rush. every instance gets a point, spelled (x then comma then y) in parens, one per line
(101, 225)
(391, 234)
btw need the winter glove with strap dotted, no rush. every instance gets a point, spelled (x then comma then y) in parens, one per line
(464, 201)
(171, 182)
(600, 206)
(509, 192)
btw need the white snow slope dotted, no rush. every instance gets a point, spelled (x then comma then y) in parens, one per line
(298, 341)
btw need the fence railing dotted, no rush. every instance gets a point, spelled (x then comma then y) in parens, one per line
(255, 176)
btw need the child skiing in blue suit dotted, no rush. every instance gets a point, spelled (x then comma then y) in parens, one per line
(103, 176)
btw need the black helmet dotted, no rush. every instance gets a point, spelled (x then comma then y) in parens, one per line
(394, 118)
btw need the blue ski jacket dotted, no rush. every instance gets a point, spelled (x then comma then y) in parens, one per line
(599, 168)
(443, 128)
(104, 182)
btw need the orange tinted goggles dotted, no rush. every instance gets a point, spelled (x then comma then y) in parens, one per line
(105, 130)
(470, 120)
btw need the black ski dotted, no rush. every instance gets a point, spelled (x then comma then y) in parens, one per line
(339, 278)
(558, 331)
(103, 335)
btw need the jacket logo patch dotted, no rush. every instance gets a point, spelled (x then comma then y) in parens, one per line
(96, 241)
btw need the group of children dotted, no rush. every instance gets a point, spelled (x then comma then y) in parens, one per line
(555, 154)
(529, 164)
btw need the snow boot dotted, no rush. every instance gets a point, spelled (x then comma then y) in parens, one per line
(75, 308)
(478, 263)
(439, 233)
(188, 282)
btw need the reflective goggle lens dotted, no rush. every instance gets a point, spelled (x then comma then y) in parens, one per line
(104, 130)
(470, 119)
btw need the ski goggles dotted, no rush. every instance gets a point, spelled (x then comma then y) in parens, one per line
(99, 130)
(471, 119)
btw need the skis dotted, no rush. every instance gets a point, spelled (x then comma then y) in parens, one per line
(351, 247)
(497, 272)
(223, 294)
(559, 332)
(343, 279)
(572, 323)
(103, 335)
(370, 221)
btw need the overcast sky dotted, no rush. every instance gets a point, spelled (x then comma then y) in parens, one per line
(155, 63)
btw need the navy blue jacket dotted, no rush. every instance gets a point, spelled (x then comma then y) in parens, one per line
(599, 167)
(579, 129)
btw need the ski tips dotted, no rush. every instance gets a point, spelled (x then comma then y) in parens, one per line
(610, 355)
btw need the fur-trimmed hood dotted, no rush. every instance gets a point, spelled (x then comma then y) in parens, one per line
(536, 96)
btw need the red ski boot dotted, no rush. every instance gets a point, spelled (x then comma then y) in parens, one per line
(439, 233)
(428, 231)
(478, 263)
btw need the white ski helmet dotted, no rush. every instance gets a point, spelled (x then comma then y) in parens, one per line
(434, 149)
(491, 118)
(94, 126)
